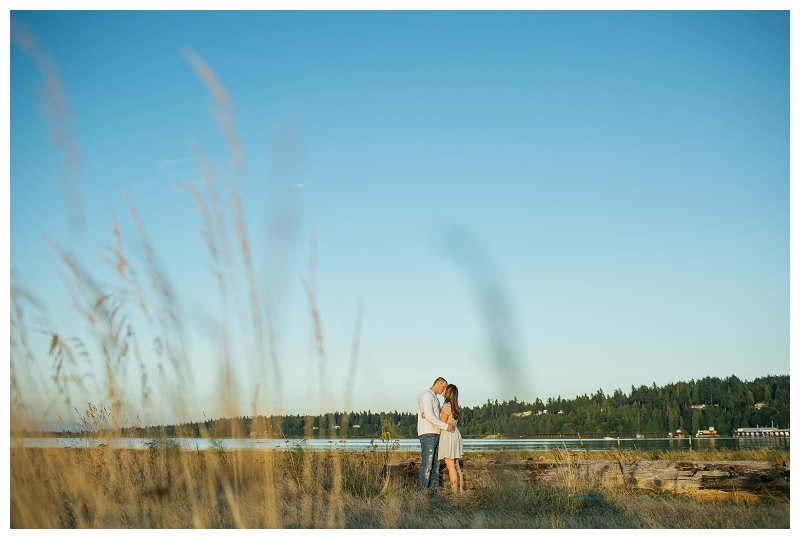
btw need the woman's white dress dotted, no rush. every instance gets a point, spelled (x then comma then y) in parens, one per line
(450, 445)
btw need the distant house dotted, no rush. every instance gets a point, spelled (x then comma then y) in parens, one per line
(561, 411)
(356, 426)
(522, 414)
(762, 404)
(698, 406)
(541, 412)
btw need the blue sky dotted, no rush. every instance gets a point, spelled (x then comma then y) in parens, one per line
(527, 203)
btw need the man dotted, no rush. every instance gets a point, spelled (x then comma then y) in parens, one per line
(428, 428)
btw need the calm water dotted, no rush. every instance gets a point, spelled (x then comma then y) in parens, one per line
(517, 444)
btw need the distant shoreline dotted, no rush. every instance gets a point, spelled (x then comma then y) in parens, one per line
(560, 436)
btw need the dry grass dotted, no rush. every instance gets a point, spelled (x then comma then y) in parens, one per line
(165, 487)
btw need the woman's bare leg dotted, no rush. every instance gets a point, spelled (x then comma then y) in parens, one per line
(451, 471)
(459, 476)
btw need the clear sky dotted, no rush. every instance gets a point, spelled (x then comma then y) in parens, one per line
(529, 204)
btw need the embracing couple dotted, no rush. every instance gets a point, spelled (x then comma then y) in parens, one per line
(439, 436)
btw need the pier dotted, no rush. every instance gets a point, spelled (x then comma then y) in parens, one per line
(761, 432)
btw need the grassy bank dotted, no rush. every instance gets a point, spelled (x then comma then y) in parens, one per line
(165, 487)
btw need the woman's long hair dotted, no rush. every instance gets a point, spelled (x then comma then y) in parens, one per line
(451, 396)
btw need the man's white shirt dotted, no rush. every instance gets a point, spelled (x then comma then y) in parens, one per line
(429, 405)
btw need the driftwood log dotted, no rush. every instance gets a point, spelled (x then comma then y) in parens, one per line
(679, 476)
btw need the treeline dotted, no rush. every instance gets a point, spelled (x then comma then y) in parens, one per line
(332, 425)
(725, 404)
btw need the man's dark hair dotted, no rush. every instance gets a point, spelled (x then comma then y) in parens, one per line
(440, 379)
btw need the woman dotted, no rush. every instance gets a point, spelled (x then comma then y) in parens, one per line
(450, 446)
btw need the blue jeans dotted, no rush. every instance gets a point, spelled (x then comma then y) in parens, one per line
(429, 467)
